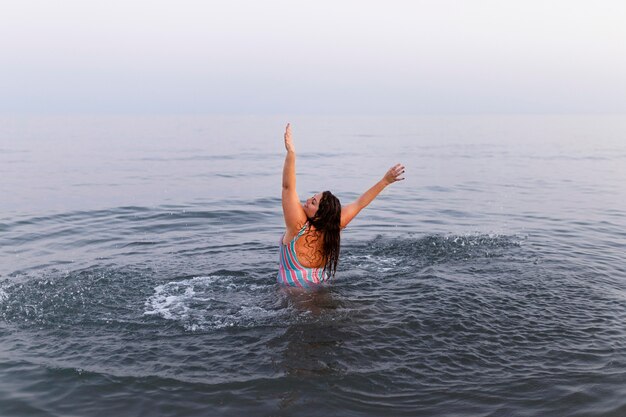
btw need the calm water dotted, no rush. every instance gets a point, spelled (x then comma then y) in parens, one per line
(138, 258)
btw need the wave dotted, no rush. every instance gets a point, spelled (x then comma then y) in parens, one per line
(383, 254)
(87, 297)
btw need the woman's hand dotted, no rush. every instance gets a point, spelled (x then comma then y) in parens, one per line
(288, 141)
(394, 174)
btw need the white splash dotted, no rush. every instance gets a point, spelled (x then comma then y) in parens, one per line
(3, 294)
(208, 302)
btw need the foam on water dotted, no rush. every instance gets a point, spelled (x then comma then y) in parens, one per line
(210, 302)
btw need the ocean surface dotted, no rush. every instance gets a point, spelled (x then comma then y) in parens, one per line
(138, 261)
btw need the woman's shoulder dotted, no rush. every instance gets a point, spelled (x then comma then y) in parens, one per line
(292, 232)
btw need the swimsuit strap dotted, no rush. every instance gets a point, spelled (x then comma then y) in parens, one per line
(301, 232)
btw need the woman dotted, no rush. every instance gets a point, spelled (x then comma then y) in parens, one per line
(309, 249)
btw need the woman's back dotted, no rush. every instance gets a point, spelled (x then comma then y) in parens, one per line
(309, 246)
(305, 267)
(310, 249)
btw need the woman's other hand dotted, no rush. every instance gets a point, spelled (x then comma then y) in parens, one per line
(288, 141)
(394, 174)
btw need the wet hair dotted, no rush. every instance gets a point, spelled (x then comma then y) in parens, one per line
(327, 220)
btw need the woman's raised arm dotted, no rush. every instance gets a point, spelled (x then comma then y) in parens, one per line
(351, 210)
(293, 212)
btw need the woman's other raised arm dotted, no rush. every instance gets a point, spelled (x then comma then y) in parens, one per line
(350, 211)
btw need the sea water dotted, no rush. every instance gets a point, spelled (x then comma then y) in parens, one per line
(138, 261)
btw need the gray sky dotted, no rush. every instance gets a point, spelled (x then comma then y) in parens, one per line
(339, 56)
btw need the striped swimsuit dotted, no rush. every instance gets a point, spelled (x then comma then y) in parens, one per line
(291, 273)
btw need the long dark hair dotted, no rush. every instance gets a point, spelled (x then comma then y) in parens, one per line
(327, 220)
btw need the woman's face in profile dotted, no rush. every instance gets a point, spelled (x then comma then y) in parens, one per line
(311, 205)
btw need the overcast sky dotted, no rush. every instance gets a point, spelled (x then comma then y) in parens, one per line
(339, 57)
